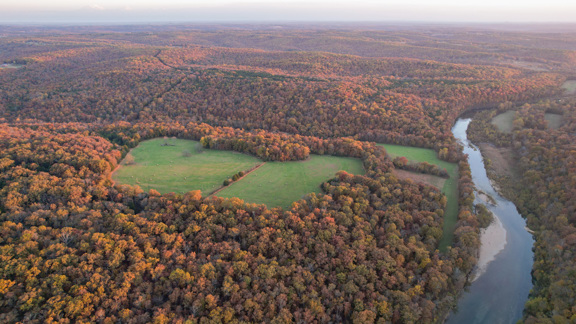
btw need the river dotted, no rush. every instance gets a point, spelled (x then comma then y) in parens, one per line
(501, 287)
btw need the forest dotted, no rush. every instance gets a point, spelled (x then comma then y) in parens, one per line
(77, 247)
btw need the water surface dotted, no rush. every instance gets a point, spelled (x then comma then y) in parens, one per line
(497, 295)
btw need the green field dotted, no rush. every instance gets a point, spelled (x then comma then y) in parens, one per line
(278, 184)
(504, 121)
(450, 188)
(10, 66)
(166, 169)
(569, 86)
(554, 120)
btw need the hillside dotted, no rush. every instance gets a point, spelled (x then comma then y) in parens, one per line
(362, 247)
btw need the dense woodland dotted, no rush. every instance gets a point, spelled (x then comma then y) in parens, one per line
(76, 248)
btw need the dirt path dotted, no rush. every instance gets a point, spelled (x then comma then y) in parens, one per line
(245, 174)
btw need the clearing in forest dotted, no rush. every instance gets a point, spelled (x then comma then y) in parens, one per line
(183, 165)
(504, 121)
(180, 166)
(10, 66)
(569, 86)
(449, 188)
(429, 179)
(279, 184)
(554, 120)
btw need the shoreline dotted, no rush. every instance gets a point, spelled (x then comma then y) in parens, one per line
(493, 240)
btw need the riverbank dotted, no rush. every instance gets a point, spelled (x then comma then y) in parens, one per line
(493, 240)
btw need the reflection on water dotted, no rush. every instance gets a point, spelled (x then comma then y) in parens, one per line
(499, 294)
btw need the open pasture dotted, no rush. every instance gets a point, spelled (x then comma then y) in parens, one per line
(278, 184)
(181, 166)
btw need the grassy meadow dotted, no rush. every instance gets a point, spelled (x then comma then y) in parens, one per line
(554, 120)
(450, 187)
(504, 121)
(278, 184)
(569, 86)
(167, 169)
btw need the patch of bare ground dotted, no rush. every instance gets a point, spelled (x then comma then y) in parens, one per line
(428, 179)
(499, 164)
(501, 159)
(486, 198)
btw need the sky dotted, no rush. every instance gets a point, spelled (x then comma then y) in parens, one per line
(155, 11)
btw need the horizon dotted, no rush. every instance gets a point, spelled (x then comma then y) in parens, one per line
(319, 11)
